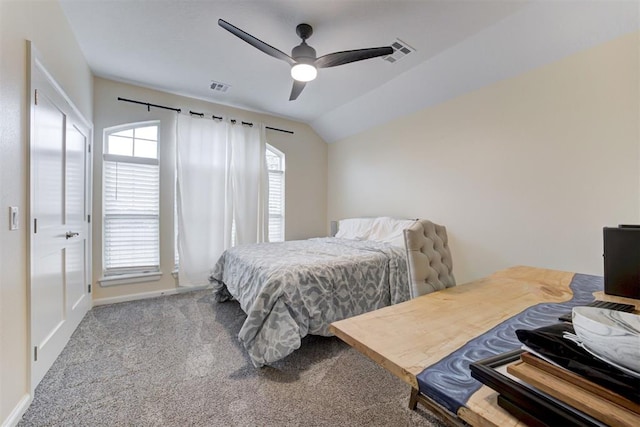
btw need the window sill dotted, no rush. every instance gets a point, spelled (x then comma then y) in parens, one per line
(127, 279)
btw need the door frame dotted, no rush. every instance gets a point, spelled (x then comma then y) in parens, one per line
(36, 66)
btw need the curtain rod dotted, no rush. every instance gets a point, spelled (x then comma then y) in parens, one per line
(178, 110)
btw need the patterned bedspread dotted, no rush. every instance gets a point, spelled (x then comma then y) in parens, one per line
(295, 288)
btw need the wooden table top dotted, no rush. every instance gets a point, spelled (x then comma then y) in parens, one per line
(408, 337)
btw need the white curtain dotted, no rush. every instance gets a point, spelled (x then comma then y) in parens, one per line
(221, 179)
(249, 183)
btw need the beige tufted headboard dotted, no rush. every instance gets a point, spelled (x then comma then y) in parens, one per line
(428, 257)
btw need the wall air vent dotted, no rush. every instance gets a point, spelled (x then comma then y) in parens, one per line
(400, 50)
(219, 87)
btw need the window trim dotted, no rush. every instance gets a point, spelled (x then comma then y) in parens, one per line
(130, 159)
(125, 279)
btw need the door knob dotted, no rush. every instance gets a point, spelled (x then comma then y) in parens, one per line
(71, 234)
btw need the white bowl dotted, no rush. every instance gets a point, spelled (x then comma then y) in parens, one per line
(612, 335)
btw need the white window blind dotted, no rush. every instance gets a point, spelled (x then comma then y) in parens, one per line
(275, 165)
(131, 196)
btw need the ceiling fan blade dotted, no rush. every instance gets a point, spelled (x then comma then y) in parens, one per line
(347, 56)
(257, 43)
(296, 89)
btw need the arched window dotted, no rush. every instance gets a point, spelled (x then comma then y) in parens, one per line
(131, 199)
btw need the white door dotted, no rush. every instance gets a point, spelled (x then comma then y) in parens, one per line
(59, 226)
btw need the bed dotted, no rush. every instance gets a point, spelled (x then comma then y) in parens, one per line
(294, 288)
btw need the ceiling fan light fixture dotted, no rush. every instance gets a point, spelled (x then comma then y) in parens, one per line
(304, 72)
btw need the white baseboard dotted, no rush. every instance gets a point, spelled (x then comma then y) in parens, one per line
(17, 413)
(145, 295)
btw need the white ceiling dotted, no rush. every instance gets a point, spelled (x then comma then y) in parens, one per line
(176, 46)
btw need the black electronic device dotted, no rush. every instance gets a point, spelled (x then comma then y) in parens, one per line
(622, 261)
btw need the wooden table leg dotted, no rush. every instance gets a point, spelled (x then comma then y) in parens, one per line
(413, 398)
(443, 414)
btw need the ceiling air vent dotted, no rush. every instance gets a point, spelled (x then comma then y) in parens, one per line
(219, 87)
(400, 49)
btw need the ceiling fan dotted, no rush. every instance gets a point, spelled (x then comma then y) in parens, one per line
(303, 60)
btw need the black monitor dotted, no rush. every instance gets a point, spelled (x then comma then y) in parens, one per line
(622, 261)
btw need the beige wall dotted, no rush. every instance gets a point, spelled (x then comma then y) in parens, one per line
(21, 21)
(306, 171)
(525, 171)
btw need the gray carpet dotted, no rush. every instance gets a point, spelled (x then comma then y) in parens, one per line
(176, 361)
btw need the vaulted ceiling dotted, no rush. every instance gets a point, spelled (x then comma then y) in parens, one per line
(177, 46)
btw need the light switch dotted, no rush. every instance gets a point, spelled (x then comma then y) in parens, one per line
(13, 217)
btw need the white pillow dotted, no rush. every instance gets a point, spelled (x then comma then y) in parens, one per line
(381, 229)
(354, 228)
(390, 230)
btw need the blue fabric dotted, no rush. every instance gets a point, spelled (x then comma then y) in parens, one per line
(449, 381)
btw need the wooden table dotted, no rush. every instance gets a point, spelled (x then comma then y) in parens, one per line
(408, 337)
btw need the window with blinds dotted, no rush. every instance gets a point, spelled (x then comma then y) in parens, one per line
(275, 166)
(131, 200)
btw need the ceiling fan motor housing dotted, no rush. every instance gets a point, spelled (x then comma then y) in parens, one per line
(303, 53)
